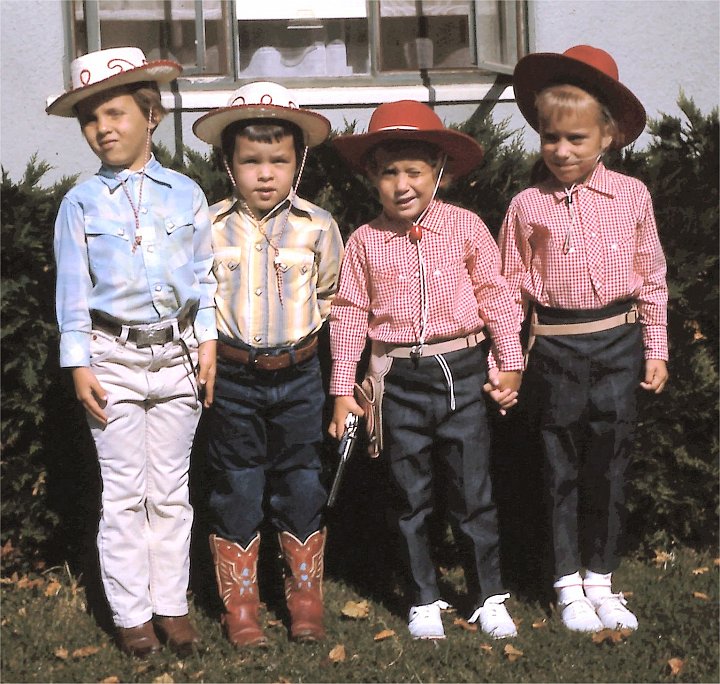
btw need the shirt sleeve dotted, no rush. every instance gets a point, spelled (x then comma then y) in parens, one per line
(652, 300)
(349, 317)
(330, 253)
(204, 325)
(495, 303)
(73, 285)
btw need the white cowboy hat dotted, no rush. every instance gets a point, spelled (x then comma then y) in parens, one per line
(261, 100)
(105, 69)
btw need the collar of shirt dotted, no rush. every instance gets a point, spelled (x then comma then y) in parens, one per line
(229, 205)
(599, 181)
(153, 170)
(433, 222)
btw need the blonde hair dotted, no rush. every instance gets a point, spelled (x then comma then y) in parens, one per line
(146, 95)
(559, 100)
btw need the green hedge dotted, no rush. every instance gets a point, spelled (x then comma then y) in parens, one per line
(50, 490)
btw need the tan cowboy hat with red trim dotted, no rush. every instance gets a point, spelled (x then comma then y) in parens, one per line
(261, 100)
(105, 69)
(411, 121)
(586, 67)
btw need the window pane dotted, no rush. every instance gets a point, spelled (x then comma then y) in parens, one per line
(166, 29)
(312, 47)
(426, 34)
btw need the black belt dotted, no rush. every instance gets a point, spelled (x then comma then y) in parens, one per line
(140, 335)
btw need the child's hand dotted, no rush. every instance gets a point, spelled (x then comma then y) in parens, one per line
(343, 406)
(503, 386)
(90, 393)
(207, 366)
(656, 375)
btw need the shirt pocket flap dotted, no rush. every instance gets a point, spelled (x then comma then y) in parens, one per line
(94, 225)
(176, 221)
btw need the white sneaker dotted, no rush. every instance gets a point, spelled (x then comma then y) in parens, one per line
(425, 621)
(613, 614)
(494, 617)
(580, 616)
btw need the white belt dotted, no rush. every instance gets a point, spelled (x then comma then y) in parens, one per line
(434, 349)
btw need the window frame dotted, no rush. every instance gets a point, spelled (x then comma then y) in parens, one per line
(344, 89)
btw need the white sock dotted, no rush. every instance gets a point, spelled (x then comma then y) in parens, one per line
(597, 585)
(569, 588)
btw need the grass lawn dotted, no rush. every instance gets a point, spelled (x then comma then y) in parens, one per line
(49, 635)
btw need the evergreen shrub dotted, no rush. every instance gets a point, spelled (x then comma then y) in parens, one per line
(50, 489)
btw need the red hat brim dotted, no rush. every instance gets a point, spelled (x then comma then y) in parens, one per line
(464, 153)
(537, 71)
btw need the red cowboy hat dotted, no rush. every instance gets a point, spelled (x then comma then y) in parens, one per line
(408, 120)
(586, 67)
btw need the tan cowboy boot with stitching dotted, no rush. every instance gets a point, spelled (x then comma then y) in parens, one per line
(303, 584)
(236, 573)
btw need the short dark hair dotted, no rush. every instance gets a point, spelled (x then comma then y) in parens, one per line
(261, 130)
(420, 148)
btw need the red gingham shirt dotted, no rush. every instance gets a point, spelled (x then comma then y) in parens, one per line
(379, 292)
(613, 252)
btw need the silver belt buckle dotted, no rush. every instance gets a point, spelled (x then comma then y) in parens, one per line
(150, 336)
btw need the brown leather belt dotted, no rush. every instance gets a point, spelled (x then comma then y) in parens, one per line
(268, 362)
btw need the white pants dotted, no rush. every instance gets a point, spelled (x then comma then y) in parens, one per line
(144, 454)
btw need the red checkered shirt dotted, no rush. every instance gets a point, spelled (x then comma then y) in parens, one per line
(379, 293)
(600, 248)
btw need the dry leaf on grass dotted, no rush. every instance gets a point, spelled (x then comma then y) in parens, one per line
(357, 610)
(61, 653)
(384, 634)
(114, 679)
(663, 557)
(27, 583)
(85, 651)
(613, 636)
(53, 589)
(337, 655)
(284, 680)
(274, 623)
(700, 571)
(486, 647)
(464, 624)
(512, 653)
(539, 624)
(676, 665)
(164, 678)
(700, 595)
(716, 561)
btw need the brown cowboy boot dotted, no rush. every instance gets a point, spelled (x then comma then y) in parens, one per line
(178, 633)
(303, 584)
(236, 573)
(139, 641)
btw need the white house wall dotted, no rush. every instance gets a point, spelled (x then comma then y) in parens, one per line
(661, 47)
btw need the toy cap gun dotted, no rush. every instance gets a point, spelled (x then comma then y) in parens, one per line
(345, 449)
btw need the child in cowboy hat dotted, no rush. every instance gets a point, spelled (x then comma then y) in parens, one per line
(423, 282)
(581, 250)
(277, 259)
(135, 308)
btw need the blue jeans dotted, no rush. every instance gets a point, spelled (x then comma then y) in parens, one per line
(420, 428)
(265, 439)
(582, 391)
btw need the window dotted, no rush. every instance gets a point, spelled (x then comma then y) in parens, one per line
(312, 42)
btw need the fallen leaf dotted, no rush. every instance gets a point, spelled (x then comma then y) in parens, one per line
(274, 623)
(7, 549)
(164, 678)
(113, 679)
(716, 561)
(384, 634)
(284, 680)
(701, 596)
(486, 647)
(27, 583)
(464, 624)
(614, 636)
(628, 594)
(61, 653)
(538, 624)
(357, 610)
(663, 557)
(676, 665)
(337, 655)
(700, 571)
(53, 588)
(512, 653)
(85, 651)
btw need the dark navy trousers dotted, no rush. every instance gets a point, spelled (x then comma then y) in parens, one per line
(265, 440)
(581, 392)
(421, 428)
